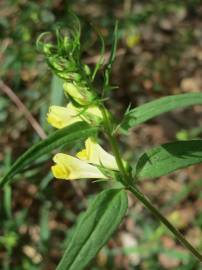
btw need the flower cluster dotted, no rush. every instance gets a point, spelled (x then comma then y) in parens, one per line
(64, 59)
(93, 161)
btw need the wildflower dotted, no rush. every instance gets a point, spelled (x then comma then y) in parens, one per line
(132, 40)
(60, 117)
(79, 94)
(71, 168)
(95, 154)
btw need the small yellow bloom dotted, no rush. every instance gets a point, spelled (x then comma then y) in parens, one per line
(132, 40)
(95, 154)
(60, 117)
(80, 94)
(71, 168)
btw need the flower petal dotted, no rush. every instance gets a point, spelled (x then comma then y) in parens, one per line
(70, 168)
(60, 117)
(95, 154)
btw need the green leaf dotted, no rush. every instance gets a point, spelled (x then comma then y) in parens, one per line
(169, 157)
(114, 45)
(94, 228)
(68, 135)
(154, 108)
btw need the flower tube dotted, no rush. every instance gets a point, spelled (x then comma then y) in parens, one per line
(95, 154)
(71, 168)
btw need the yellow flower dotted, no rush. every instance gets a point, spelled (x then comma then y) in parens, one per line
(71, 168)
(60, 117)
(80, 94)
(132, 40)
(95, 154)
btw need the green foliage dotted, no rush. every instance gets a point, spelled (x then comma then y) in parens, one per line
(169, 157)
(95, 227)
(149, 110)
(64, 55)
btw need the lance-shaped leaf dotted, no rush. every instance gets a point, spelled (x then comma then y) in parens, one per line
(168, 158)
(157, 107)
(68, 135)
(94, 229)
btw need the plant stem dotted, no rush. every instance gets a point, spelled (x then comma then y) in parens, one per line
(114, 146)
(139, 195)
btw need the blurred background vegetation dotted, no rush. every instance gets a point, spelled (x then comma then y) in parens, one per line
(159, 53)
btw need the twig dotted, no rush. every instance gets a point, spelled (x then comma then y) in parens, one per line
(36, 126)
(33, 122)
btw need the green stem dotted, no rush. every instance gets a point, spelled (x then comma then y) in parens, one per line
(139, 195)
(114, 146)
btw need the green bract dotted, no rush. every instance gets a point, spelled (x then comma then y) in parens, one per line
(80, 94)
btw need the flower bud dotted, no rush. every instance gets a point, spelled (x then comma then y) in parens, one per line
(79, 94)
(47, 48)
(87, 70)
(60, 117)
